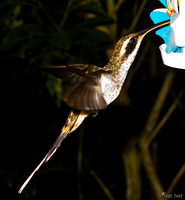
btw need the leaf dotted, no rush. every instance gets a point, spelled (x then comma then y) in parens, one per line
(30, 45)
(60, 39)
(94, 35)
(54, 86)
(92, 8)
(17, 10)
(18, 35)
(95, 21)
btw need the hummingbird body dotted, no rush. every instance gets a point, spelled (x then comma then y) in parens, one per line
(94, 88)
(119, 64)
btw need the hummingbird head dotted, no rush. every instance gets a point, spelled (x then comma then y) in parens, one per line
(128, 46)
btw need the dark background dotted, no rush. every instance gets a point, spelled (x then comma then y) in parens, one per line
(39, 33)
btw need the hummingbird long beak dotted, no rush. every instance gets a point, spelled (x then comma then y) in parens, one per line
(156, 26)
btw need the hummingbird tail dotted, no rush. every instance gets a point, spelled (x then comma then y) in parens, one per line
(74, 120)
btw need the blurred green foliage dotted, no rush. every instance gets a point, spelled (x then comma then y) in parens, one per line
(28, 31)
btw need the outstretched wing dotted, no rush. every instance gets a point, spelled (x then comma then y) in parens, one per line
(85, 92)
(70, 73)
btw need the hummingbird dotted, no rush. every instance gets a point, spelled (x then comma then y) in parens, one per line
(94, 88)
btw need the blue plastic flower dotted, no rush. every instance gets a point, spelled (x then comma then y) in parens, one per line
(167, 32)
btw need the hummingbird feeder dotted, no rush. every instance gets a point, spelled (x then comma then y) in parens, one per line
(173, 50)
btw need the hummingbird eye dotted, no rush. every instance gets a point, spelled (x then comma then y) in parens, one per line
(133, 40)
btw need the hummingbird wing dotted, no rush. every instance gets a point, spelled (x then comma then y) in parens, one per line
(85, 92)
